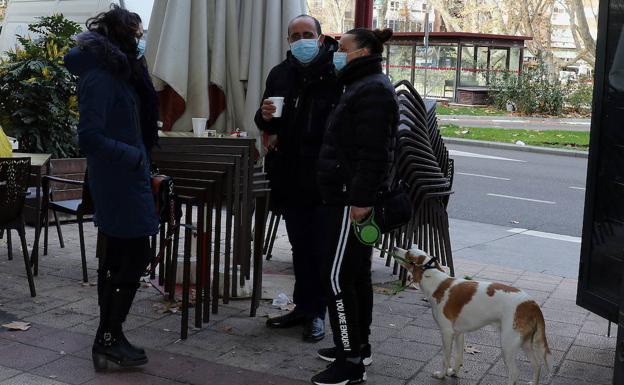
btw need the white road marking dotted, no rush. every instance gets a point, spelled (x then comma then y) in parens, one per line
(521, 199)
(482, 176)
(540, 234)
(577, 188)
(481, 156)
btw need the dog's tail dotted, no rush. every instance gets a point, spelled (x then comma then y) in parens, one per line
(539, 342)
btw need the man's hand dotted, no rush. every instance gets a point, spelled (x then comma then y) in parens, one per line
(268, 108)
(358, 214)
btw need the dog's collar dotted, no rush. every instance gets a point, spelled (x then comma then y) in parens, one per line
(431, 264)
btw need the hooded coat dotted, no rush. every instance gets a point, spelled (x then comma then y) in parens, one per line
(109, 134)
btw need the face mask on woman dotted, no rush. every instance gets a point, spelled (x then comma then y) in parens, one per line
(141, 48)
(305, 50)
(341, 58)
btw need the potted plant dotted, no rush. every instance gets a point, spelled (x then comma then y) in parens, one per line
(38, 104)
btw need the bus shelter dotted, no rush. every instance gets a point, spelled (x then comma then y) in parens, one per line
(457, 66)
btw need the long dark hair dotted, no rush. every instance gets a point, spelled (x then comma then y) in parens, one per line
(373, 40)
(120, 26)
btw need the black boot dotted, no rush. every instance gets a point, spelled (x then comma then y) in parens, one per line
(110, 343)
(109, 347)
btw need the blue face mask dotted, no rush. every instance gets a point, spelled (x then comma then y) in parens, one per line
(141, 48)
(305, 50)
(340, 60)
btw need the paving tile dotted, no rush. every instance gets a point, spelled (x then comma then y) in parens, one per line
(24, 357)
(569, 381)
(401, 309)
(29, 379)
(598, 326)
(125, 376)
(592, 373)
(561, 343)
(59, 318)
(562, 329)
(425, 378)
(524, 367)
(69, 369)
(493, 276)
(591, 356)
(564, 304)
(375, 378)
(491, 379)
(564, 316)
(483, 337)
(392, 321)
(420, 334)
(406, 349)
(380, 334)
(63, 340)
(8, 373)
(36, 305)
(595, 341)
(394, 366)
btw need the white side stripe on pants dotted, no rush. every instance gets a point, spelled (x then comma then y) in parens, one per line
(340, 248)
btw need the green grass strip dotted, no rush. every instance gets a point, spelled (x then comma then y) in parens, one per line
(578, 140)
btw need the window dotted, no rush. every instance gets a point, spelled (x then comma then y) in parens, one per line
(393, 24)
(394, 6)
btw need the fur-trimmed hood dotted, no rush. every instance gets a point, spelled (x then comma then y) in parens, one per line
(96, 51)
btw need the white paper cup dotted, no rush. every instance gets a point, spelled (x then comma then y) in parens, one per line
(199, 126)
(278, 102)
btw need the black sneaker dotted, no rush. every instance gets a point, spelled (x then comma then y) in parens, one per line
(329, 354)
(341, 373)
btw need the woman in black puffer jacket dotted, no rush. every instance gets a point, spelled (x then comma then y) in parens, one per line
(354, 166)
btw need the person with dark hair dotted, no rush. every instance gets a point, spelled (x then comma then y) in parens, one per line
(117, 128)
(307, 83)
(354, 168)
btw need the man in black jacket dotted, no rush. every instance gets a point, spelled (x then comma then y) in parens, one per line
(307, 82)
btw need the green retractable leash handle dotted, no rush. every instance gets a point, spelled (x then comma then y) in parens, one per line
(369, 234)
(367, 231)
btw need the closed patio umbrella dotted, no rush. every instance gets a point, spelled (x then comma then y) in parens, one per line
(211, 57)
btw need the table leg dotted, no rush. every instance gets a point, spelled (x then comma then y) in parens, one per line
(34, 258)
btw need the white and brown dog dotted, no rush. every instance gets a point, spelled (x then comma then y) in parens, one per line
(461, 306)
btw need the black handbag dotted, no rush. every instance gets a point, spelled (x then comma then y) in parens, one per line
(393, 209)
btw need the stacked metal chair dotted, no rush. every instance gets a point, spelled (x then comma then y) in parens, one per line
(423, 163)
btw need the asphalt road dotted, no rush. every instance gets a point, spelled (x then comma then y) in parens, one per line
(518, 189)
(526, 123)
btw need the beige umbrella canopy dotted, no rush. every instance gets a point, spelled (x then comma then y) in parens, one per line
(210, 58)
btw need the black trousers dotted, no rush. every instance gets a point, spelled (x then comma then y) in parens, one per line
(304, 226)
(121, 265)
(348, 284)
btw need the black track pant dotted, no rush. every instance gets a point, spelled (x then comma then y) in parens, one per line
(120, 268)
(309, 248)
(348, 284)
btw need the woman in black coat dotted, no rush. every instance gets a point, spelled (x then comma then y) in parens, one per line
(117, 128)
(354, 167)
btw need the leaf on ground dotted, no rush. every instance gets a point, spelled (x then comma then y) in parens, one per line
(471, 350)
(467, 278)
(226, 328)
(17, 325)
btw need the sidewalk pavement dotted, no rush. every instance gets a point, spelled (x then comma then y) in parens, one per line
(517, 122)
(235, 349)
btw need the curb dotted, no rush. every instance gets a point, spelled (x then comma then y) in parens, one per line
(515, 147)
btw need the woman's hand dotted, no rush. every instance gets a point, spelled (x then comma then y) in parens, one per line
(358, 214)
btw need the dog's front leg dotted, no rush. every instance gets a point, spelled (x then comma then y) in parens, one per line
(447, 347)
(459, 355)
